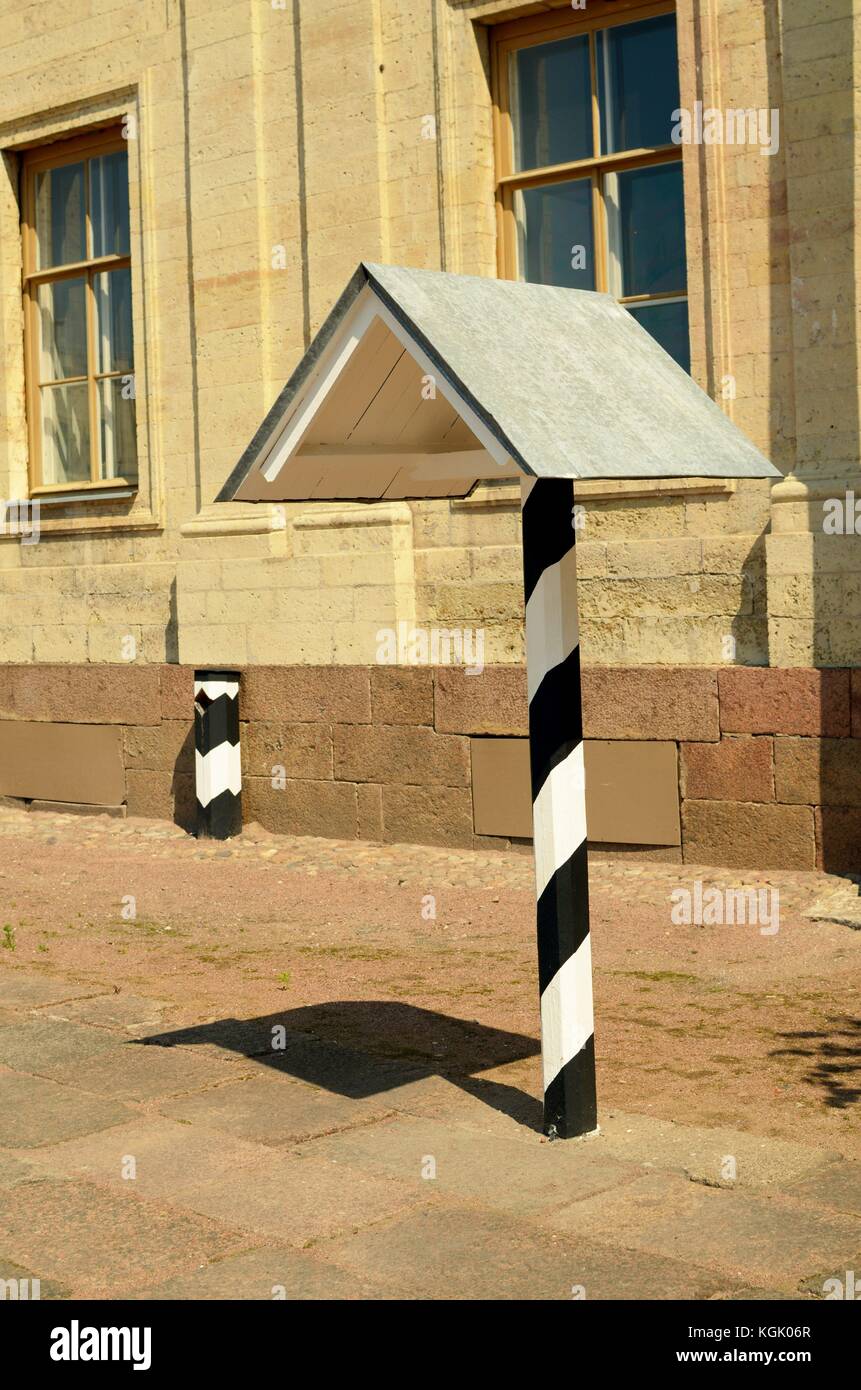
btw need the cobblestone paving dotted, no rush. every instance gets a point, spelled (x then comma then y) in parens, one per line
(451, 867)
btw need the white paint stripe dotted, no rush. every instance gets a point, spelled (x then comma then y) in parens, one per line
(559, 817)
(316, 388)
(218, 771)
(213, 689)
(551, 620)
(567, 1019)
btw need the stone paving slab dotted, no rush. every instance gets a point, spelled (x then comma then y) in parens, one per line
(760, 1240)
(291, 1197)
(267, 1044)
(24, 1280)
(280, 1273)
(100, 1244)
(701, 1153)
(34, 1111)
(763, 1296)
(48, 1047)
(274, 1110)
(454, 1252)
(131, 1072)
(495, 1103)
(131, 1013)
(837, 1186)
(466, 1164)
(14, 1169)
(28, 990)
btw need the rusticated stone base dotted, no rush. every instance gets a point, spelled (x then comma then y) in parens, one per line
(769, 761)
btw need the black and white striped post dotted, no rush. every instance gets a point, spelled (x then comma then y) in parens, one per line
(558, 807)
(217, 760)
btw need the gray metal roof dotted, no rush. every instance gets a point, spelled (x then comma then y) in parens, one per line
(567, 381)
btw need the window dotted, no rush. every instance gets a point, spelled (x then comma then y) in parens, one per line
(78, 314)
(589, 180)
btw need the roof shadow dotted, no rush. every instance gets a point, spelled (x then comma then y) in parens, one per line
(361, 1048)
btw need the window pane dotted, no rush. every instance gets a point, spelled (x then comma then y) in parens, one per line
(117, 440)
(113, 290)
(551, 103)
(60, 216)
(109, 204)
(65, 434)
(668, 324)
(646, 226)
(638, 84)
(63, 329)
(555, 234)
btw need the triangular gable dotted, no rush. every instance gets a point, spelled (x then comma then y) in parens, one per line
(421, 383)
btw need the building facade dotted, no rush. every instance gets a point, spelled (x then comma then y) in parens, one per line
(187, 188)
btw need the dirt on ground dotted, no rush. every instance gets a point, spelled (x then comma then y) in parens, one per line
(428, 955)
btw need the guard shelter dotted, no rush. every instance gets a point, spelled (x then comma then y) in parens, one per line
(423, 383)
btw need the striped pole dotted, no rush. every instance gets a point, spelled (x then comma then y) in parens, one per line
(558, 807)
(217, 765)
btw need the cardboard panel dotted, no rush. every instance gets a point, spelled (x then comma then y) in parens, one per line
(62, 762)
(632, 795)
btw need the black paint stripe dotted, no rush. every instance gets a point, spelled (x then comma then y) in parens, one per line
(222, 818)
(216, 724)
(563, 916)
(570, 1101)
(555, 719)
(548, 528)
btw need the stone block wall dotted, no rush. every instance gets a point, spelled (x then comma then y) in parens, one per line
(769, 761)
(248, 219)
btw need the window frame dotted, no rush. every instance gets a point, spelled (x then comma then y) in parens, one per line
(507, 39)
(35, 160)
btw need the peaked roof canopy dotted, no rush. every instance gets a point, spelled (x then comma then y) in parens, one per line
(421, 383)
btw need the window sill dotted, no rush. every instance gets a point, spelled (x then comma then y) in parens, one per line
(64, 499)
(87, 510)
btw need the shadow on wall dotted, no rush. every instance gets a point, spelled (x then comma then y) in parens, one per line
(182, 786)
(361, 1048)
(816, 99)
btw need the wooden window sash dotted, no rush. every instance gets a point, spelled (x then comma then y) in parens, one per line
(529, 32)
(81, 149)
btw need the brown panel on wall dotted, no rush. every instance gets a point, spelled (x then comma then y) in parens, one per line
(501, 794)
(62, 762)
(632, 792)
(632, 795)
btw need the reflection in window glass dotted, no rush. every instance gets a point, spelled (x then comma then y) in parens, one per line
(109, 204)
(62, 309)
(65, 434)
(556, 234)
(117, 441)
(113, 292)
(552, 102)
(668, 324)
(638, 84)
(646, 227)
(61, 216)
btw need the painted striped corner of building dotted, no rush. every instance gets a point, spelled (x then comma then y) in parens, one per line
(217, 756)
(559, 807)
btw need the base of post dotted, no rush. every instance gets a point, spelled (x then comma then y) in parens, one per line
(570, 1100)
(552, 1133)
